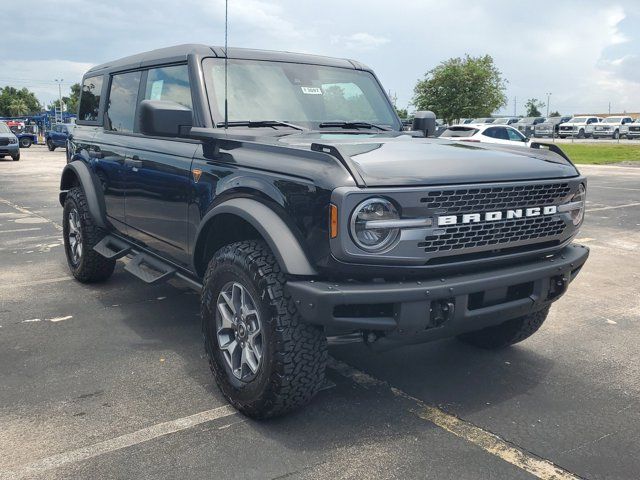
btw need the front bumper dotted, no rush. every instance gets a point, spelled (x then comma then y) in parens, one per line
(412, 311)
(12, 149)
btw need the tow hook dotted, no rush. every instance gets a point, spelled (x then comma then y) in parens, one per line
(557, 286)
(440, 311)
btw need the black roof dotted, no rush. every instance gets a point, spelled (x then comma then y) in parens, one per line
(180, 53)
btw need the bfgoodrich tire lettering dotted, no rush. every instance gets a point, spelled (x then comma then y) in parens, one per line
(90, 266)
(507, 333)
(294, 354)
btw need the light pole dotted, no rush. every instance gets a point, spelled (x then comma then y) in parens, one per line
(59, 82)
(548, 99)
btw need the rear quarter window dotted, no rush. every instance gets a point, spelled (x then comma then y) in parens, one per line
(89, 109)
(454, 132)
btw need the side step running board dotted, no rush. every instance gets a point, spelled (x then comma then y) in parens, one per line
(148, 269)
(112, 248)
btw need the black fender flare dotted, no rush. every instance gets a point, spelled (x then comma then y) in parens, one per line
(283, 243)
(91, 187)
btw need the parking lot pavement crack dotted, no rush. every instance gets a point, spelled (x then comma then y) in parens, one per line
(484, 439)
(29, 212)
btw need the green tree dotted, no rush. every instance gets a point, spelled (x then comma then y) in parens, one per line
(13, 100)
(18, 107)
(555, 114)
(462, 87)
(70, 103)
(402, 112)
(533, 107)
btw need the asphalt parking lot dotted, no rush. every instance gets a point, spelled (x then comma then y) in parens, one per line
(110, 381)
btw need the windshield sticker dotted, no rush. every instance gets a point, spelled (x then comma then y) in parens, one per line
(311, 90)
(156, 90)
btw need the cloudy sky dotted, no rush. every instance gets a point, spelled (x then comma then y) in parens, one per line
(586, 53)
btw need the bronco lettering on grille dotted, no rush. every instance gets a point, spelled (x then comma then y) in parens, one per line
(495, 216)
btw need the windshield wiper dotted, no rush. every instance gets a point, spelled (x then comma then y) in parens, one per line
(356, 125)
(261, 123)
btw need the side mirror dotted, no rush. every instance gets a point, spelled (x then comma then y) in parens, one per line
(159, 118)
(425, 122)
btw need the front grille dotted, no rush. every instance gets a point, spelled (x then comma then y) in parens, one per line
(566, 128)
(493, 234)
(4, 141)
(634, 129)
(476, 200)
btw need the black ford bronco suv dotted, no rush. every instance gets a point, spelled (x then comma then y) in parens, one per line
(283, 188)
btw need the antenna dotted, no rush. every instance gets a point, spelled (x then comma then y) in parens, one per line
(226, 57)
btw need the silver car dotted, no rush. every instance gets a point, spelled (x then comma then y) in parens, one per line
(8, 143)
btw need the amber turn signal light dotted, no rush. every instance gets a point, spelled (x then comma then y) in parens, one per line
(333, 219)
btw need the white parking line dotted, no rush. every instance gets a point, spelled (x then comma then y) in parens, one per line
(613, 207)
(29, 212)
(487, 441)
(118, 443)
(18, 230)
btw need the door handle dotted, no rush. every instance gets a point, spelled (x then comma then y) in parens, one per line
(134, 162)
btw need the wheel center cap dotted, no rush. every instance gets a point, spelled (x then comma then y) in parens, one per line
(242, 330)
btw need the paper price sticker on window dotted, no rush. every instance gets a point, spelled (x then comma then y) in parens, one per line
(156, 90)
(311, 90)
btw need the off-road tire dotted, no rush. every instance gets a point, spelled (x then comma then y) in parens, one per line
(16, 158)
(507, 333)
(92, 267)
(582, 134)
(294, 353)
(50, 145)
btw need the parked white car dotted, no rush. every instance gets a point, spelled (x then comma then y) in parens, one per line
(486, 133)
(631, 130)
(610, 127)
(579, 127)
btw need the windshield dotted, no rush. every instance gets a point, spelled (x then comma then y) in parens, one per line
(578, 120)
(305, 95)
(612, 120)
(4, 128)
(526, 120)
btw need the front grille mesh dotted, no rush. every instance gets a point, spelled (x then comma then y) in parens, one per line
(493, 233)
(474, 200)
(4, 141)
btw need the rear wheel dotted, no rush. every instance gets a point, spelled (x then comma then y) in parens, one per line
(50, 145)
(265, 360)
(81, 234)
(507, 333)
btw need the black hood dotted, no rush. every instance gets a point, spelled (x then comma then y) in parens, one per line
(382, 160)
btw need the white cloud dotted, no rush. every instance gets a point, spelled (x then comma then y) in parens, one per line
(584, 51)
(359, 41)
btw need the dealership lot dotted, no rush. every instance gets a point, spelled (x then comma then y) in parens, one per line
(110, 381)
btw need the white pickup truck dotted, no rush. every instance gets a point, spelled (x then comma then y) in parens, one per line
(631, 130)
(579, 127)
(611, 127)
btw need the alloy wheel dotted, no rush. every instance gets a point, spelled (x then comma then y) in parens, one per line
(75, 236)
(239, 331)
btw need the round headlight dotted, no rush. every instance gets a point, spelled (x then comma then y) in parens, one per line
(580, 196)
(366, 228)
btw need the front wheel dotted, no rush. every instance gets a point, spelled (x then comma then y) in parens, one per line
(81, 234)
(25, 142)
(265, 360)
(581, 134)
(50, 145)
(507, 333)
(616, 135)
(16, 157)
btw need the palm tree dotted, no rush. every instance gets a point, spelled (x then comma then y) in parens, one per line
(18, 107)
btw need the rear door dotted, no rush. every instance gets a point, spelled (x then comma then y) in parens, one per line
(158, 170)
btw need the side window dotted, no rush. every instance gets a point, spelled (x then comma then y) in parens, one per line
(515, 136)
(123, 99)
(490, 132)
(169, 83)
(501, 133)
(90, 99)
